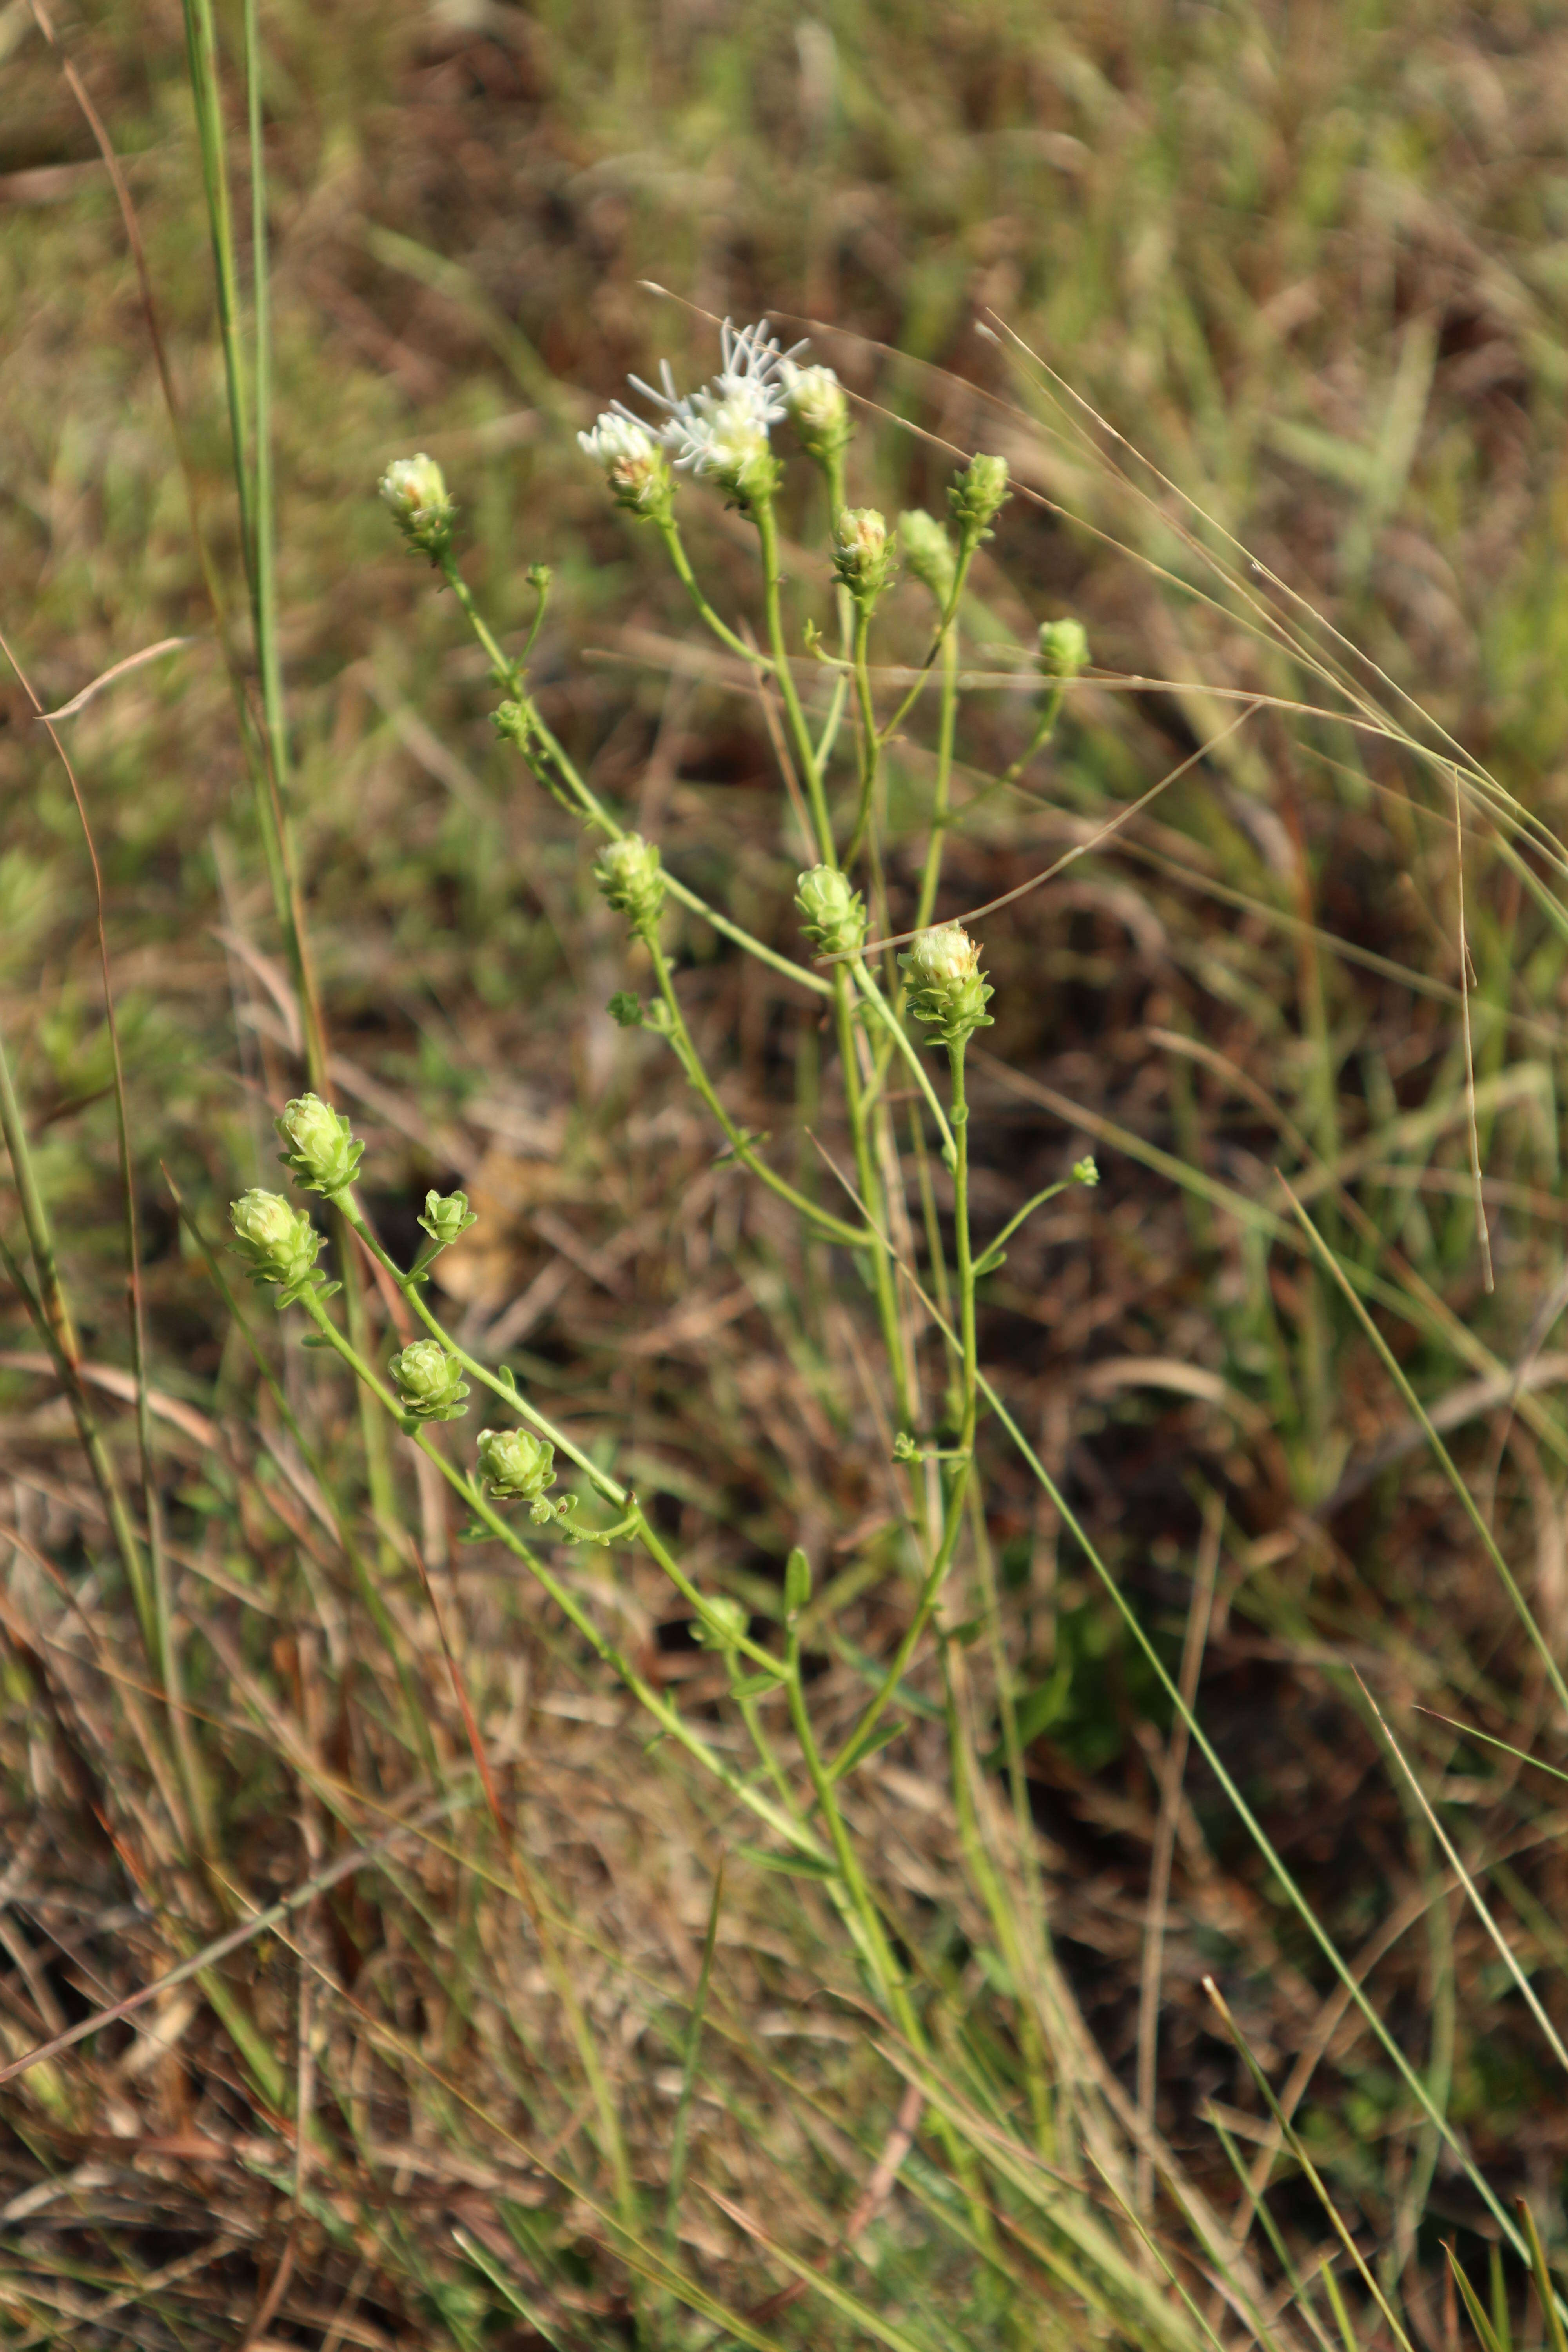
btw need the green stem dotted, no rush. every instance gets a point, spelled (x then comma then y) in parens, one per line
(506, 673)
(906, 1045)
(1046, 727)
(668, 1718)
(865, 1920)
(510, 675)
(871, 741)
(799, 733)
(637, 1524)
(930, 873)
(964, 1453)
(51, 1316)
(949, 613)
(669, 530)
(870, 1190)
(853, 1237)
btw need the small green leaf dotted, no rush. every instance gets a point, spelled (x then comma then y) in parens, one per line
(792, 1866)
(880, 1736)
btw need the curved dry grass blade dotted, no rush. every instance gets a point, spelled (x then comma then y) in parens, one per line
(106, 678)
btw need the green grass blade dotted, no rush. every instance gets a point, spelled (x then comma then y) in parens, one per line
(1293, 2142)
(1551, 2302)
(1504, 1950)
(1255, 1828)
(1472, 2303)
(1328, 1258)
(679, 2137)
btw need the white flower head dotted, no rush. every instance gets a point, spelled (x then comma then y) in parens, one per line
(723, 430)
(633, 465)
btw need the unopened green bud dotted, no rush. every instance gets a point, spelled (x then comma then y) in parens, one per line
(636, 469)
(626, 1010)
(627, 874)
(723, 1623)
(1084, 1171)
(322, 1149)
(514, 722)
(834, 915)
(447, 1214)
(929, 553)
(862, 554)
(797, 1582)
(415, 492)
(278, 1243)
(976, 496)
(946, 987)
(430, 1382)
(1064, 648)
(817, 409)
(519, 1467)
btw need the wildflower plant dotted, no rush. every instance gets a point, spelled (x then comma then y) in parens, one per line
(892, 1017)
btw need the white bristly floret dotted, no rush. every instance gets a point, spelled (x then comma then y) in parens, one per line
(724, 427)
(633, 465)
(617, 440)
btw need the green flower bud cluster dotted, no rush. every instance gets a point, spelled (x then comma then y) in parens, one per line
(627, 874)
(322, 1149)
(520, 1467)
(1064, 648)
(946, 989)
(278, 1242)
(929, 553)
(833, 914)
(977, 496)
(514, 722)
(819, 411)
(415, 492)
(430, 1383)
(447, 1214)
(723, 1624)
(863, 553)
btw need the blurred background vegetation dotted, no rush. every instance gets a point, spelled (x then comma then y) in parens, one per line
(1311, 261)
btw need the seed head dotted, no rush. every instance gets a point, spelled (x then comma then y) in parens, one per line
(414, 492)
(320, 1145)
(834, 914)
